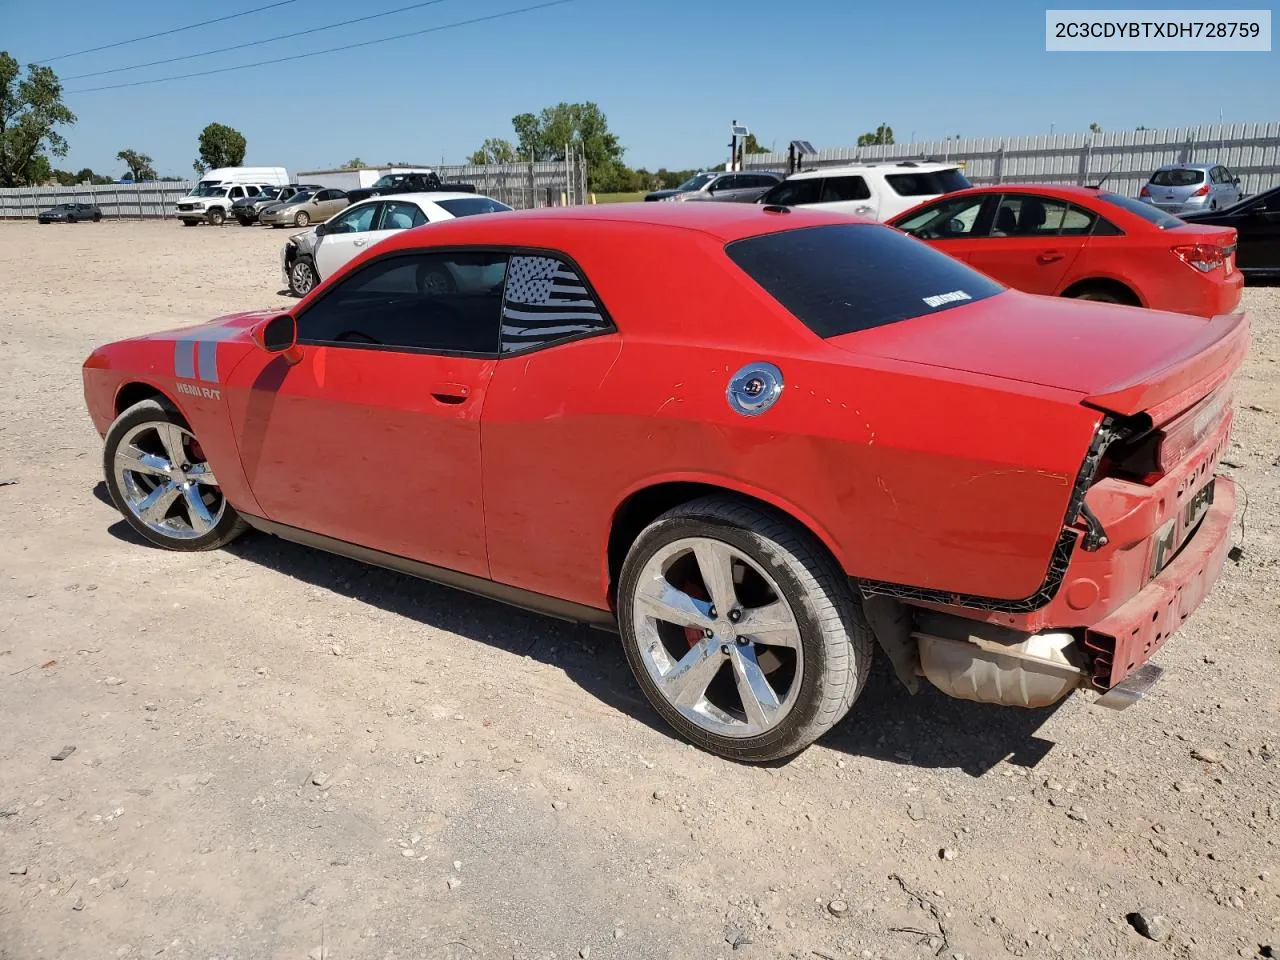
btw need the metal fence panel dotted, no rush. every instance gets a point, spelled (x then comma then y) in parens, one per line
(519, 185)
(1126, 158)
(118, 201)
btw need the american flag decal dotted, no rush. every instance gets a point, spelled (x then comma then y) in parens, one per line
(545, 300)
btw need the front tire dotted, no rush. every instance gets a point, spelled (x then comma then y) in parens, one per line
(160, 481)
(216, 217)
(301, 219)
(774, 671)
(302, 278)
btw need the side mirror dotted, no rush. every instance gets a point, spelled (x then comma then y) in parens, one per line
(320, 230)
(277, 335)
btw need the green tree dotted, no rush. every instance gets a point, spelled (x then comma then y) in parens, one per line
(882, 136)
(139, 165)
(31, 109)
(220, 146)
(355, 164)
(493, 150)
(572, 126)
(752, 145)
(1095, 128)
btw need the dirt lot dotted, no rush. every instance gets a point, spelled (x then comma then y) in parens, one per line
(280, 754)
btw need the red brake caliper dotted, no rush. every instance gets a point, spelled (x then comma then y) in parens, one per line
(696, 590)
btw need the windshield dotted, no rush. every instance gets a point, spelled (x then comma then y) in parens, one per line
(697, 182)
(301, 196)
(208, 190)
(844, 278)
(1144, 210)
(1177, 178)
(390, 180)
(468, 206)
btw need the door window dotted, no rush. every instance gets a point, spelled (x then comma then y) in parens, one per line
(547, 302)
(1026, 215)
(792, 193)
(236, 193)
(947, 220)
(397, 215)
(356, 220)
(1077, 222)
(430, 302)
(838, 189)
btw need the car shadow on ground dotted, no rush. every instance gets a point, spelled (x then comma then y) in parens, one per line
(927, 730)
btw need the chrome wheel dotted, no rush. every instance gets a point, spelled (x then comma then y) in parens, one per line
(166, 482)
(302, 219)
(302, 277)
(717, 637)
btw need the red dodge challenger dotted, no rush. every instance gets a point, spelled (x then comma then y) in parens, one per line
(756, 440)
(1086, 243)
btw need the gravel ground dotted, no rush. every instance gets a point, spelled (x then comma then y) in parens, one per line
(280, 754)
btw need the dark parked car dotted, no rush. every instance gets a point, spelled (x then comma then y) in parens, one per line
(1256, 221)
(70, 213)
(417, 181)
(247, 209)
(721, 185)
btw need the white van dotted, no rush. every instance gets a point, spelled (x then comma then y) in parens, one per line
(267, 176)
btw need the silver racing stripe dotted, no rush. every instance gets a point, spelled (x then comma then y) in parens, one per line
(196, 356)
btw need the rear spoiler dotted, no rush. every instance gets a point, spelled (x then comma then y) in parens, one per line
(1200, 367)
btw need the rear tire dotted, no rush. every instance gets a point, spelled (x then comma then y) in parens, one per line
(161, 484)
(190, 223)
(808, 655)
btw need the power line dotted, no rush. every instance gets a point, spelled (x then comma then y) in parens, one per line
(167, 33)
(257, 43)
(317, 53)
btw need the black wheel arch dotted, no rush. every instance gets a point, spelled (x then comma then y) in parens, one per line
(1121, 291)
(642, 507)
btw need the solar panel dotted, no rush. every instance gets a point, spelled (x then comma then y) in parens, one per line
(740, 131)
(803, 147)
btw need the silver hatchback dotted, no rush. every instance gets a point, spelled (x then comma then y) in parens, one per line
(1191, 188)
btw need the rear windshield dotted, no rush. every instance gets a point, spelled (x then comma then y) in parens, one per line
(1177, 178)
(927, 184)
(843, 278)
(1144, 210)
(472, 205)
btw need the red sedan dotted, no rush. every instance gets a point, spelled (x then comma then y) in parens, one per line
(1086, 243)
(755, 441)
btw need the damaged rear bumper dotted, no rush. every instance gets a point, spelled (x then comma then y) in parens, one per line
(1125, 639)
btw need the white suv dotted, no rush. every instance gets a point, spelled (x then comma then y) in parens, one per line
(212, 203)
(875, 190)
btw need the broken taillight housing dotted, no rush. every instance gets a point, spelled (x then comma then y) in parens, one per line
(1202, 256)
(1145, 191)
(1202, 192)
(1146, 457)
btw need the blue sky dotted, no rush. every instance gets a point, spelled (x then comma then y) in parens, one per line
(669, 75)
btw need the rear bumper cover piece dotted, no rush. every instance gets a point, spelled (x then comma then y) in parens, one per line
(1130, 635)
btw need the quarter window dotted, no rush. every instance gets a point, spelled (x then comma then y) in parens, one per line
(430, 302)
(547, 302)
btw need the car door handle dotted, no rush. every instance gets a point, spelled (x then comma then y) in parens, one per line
(1049, 256)
(359, 243)
(450, 393)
